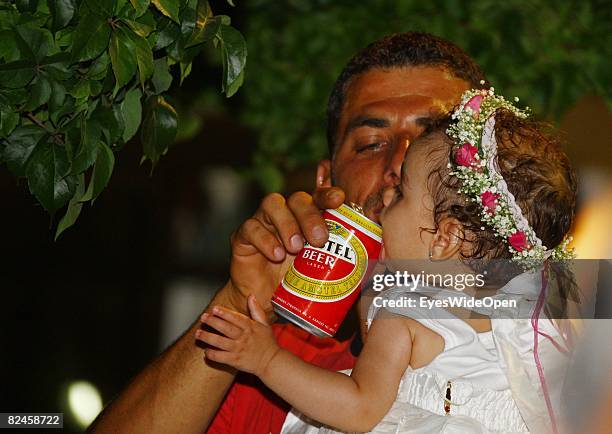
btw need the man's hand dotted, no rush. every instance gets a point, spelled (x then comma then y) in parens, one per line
(265, 245)
(248, 344)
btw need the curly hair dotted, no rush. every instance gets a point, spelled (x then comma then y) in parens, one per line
(539, 175)
(397, 51)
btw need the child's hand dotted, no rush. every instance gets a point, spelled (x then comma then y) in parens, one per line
(248, 344)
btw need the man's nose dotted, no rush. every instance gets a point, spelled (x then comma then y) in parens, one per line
(393, 171)
(388, 194)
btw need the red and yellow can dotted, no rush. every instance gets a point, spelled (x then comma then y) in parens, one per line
(322, 283)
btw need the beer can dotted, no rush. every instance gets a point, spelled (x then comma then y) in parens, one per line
(322, 283)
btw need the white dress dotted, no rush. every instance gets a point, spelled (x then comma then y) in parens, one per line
(494, 384)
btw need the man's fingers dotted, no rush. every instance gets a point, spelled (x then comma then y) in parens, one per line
(309, 218)
(328, 197)
(256, 311)
(274, 211)
(253, 236)
(214, 340)
(221, 325)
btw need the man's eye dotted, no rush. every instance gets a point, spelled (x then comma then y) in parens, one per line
(370, 147)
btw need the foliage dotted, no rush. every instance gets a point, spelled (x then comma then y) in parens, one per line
(79, 77)
(548, 53)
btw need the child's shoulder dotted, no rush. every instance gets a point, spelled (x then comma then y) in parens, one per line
(426, 343)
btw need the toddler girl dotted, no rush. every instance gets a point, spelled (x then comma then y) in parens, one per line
(488, 186)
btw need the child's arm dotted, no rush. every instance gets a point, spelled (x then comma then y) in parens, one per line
(355, 403)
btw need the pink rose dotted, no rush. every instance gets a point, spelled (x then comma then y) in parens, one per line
(464, 156)
(518, 241)
(489, 201)
(474, 103)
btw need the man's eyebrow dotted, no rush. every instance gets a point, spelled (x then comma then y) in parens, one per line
(366, 121)
(429, 121)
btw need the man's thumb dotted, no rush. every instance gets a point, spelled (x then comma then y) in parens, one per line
(256, 311)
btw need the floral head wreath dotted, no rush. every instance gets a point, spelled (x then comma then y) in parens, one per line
(475, 164)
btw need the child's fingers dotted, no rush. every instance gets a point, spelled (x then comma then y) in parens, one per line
(256, 311)
(219, 356)
(216, 341)
(239, 320)
(221, 325)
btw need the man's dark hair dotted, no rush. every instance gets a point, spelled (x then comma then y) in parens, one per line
(397, 51)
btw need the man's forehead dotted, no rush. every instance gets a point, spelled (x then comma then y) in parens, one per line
(408, 93)
(430, 82)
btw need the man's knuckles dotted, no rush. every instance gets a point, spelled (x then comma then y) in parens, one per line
(272, 202)
(300, 199)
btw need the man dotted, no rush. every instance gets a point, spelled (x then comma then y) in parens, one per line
(384, 98)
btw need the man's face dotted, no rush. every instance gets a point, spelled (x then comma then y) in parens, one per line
(384, 111)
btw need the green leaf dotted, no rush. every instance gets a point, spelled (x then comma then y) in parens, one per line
(158, 128)
(131, 108)
(56, 102)
(233, 87)
(103, 8)
(47, 176)
(162, 79)
(103, 169)
(168, 32)
(63, 37)
(8, 46)
(81, 89)
(99, 67)
(17, 74)
(111, 122)
(144, 57)
(62, 12)
(88, 146)
(234, 54)
(74, 208)
(34, 44)
(26, 5)
(122, 53)
(206, 25)
(9, 119)
(185, 70)
(40, 92)
(19, 146)
(90, 37)
(140, 6)
(140, 29)
(169, 8)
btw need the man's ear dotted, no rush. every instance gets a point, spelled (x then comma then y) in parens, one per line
(324, 174)
(447, 242)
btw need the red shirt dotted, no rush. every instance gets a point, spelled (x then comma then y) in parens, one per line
(251, 408)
